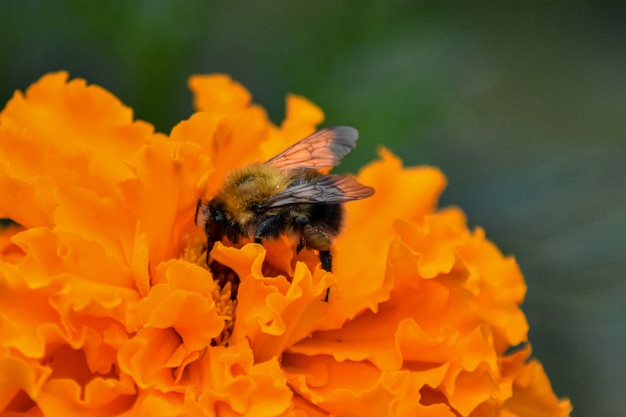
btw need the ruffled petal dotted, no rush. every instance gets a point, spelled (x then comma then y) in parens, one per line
(533, 395)
(76, 135)
(99, 397)
(21, 381)
(227, 381)
(369, 229)
(218, 93)
(9, 251)
(357, 388)
(273, 312)
(236, 127)
(162, 196)
(499, 287)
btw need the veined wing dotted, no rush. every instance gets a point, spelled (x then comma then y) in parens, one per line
(328, 189)
(323, 149)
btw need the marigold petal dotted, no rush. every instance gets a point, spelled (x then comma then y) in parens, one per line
(301, 116)
(356, 388)
(286, 318)
(427, 354)
(165, 169)
(391, 338)
(9, 251)
(229, 382)
(224, 142)
(101, 397)
(183, 302)
(152, 402)
(273, 312)
(30, 202)
(352, 246)
(443, 343)
(68, 298)
(351, 342)
(24, 309)
(200, 129)
(150, 356)
(304, 408)
(471, 388)
(245, 261)
(219, 94)
(533, 395)
(17, 374)
(64, 385)
(499, 287)
(476, 348)
(72, 146)
(435, 242)
(75, 134)
(80, 211)
(241, 127)
(414, 191)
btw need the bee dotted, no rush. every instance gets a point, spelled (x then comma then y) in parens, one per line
(287, 195)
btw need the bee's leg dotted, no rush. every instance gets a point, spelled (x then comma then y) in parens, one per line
(327, 260)
(319, 240)
(210, 242)
(202, 212)
(215, 226)
(327, 265)
(301, 245)
(208, 253)
(195, 217)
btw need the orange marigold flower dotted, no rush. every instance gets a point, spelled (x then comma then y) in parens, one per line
(107, 306)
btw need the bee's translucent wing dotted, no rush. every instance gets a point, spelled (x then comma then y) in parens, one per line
(328, 189)
(323, 149)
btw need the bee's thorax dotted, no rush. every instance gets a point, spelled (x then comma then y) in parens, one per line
(245, 189)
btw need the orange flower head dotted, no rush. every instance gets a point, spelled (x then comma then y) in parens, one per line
(108, 307)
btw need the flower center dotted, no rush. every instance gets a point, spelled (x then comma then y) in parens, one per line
(224, 293)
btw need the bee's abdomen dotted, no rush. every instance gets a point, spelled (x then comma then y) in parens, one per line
(327, 217)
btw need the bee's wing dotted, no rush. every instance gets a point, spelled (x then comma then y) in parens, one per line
(328, 189)
(323, 149)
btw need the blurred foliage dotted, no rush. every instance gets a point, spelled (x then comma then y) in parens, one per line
(521, 105)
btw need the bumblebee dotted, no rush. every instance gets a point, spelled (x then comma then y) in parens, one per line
(287, 195)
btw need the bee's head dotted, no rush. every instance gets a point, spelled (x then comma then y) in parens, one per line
(216, 212)
(220, 222)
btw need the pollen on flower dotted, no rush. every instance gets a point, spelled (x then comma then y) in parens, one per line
(224, 293)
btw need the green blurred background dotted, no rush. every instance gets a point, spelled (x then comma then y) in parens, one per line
(523, 106)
